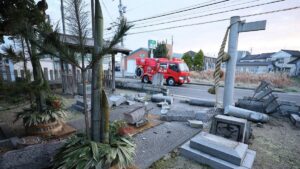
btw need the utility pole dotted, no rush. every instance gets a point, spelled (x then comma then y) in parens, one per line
(237, 26)
(122, 10)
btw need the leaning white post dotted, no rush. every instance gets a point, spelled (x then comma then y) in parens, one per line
(230, 65)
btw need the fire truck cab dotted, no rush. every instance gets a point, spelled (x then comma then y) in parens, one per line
(175, 71)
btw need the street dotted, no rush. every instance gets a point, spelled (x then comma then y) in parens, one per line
(200, 91)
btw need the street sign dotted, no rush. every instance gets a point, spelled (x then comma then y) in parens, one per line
(253, 26)
(152, 44)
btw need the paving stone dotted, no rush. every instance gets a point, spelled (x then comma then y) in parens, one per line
(195, 123)
(222, 148)
(295, 119)
(215, 162)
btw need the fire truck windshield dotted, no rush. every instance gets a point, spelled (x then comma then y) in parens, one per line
(183, 67)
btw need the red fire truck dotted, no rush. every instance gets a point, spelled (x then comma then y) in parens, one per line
(175, 71)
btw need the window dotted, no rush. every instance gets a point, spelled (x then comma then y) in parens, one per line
(183, 67)
(163, 65)
(281, 60)
(142, 55)
(173, 67)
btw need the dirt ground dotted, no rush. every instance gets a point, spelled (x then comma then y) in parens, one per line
(277, 146)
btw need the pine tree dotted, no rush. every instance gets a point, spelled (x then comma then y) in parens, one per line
(198, 60)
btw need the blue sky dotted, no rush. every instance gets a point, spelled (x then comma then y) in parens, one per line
(282, 31)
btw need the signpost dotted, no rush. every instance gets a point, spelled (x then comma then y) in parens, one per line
(151, 45)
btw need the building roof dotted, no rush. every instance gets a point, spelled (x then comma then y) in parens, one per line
(89, 43)
(294, 61)
(257, 56)
(137, 50)
(294, 53)
(254, 63)
(191, 53)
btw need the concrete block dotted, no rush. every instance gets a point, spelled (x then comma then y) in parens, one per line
(130, 103)
(135, 115)
(215, 162)
(225, 149)
(295, 119)
(195, 123)
(142, 94)
(233, 128)
(117, 100)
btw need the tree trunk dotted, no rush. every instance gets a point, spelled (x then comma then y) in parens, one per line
(97, 80)
(106, 111)
(38, 78)
(85, 111)
(113, 69)
(75, 82)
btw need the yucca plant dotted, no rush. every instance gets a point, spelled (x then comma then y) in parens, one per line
(79, 152)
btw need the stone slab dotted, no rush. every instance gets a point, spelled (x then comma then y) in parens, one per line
(222, 148)
(161, 98)
(215, 162)
(203, 115)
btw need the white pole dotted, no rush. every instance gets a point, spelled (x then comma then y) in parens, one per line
(231, 64)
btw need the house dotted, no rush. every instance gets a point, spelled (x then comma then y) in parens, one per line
(296, 62)
(6, 69)
(282, 61)
(130, 63)
(258, 63)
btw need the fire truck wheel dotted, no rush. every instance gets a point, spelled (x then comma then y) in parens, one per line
(171, 81)
(145, 79)
(139, 72)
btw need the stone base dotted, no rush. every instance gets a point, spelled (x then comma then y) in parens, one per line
(214, 162)
(295, 120)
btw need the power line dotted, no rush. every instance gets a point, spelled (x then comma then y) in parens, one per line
(180, 11)
(203, 11)
(219, 20)
(200, 16)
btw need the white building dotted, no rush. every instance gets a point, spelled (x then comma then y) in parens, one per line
(283, 61)
(259, 63)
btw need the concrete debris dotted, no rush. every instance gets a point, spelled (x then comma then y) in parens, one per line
(178, 115)
(161, 98)
(130, 103)
(199, 102)
(142, 94)
(246, 114)
(117, 100)
(295, 120)
(135, 115)
(232, 128)
(88, 89)
(218, 152)
(195, 123)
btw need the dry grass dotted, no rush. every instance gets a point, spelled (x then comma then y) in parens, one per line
(278, 80)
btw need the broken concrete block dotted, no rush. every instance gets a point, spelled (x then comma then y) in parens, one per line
(295, 120)
(135, 115)
(117, 100)
(142, 94)
(195, 123)
(161, 98)
(130, 102)
(204, 103)
(263, 93)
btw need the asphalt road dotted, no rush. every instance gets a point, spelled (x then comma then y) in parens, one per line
(200, 92)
